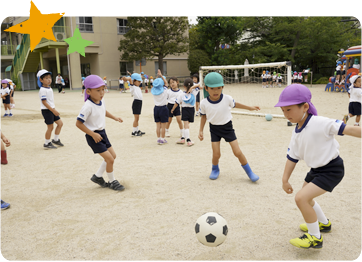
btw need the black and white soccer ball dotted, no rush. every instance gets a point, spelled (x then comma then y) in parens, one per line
(211, 229)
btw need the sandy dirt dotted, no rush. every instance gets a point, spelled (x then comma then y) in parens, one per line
(57, 213)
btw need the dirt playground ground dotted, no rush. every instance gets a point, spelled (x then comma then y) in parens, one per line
(57, 213)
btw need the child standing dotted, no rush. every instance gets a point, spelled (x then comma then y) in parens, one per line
(312, 141)
(135, 81)
(195, 79)
(173, 93)
(280, 79)
(263, 76)
(121, 85)
(12, 87)
(92, 121)
(5, 95)
(105, 83)
(268, 78)
(160, 111)
(355, 99)
(146, 84)
(216, 110)
(187, 101)
(48, 110)
(274, 79)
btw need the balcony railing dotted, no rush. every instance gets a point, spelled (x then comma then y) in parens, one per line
(8, 49)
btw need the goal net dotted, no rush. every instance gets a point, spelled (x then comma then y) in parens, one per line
(245, 84)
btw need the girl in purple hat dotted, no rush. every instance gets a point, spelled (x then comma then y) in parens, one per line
(312, 141)
(92, 121)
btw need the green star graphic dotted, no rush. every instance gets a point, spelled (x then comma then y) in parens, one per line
(77, 43)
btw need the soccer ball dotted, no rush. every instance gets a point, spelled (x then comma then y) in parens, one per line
(211, 229)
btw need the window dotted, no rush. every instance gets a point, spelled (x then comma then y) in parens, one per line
(85, 24)
(126, 66)
(85, 70)
(122, 27)
(164, 72)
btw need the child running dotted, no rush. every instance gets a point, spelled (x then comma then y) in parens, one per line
(92, 121)
(355, 99)
(48, 110)
(135, 81)
(173, 93)
(5, 96)
(312, 141)
(216, 110)
(187, 100)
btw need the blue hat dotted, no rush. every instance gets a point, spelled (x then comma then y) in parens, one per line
(339, 62)
(189, 99)
(267, 71)
(157, 88)
(136, 76)
(142, 73)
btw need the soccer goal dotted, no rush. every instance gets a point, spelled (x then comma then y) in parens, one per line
(245, 84)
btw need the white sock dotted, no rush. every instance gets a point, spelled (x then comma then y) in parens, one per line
(320, 215)
(182, 132)
(10, 111)
(110, 177)
(187, 133)
(137, 128)
(166, 130)
(47, 141)
(313, 229)
(56, 137)
(101, 169)
(134, 129)
(6, 111)
(159, 138)
(357, 124)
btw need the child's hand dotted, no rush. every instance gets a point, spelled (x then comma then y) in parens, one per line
(252, 108)
(97, 137)
(201, 135)
(287, 188)
(55, 112)
(6, 141)
(118, 119)
(159, 73)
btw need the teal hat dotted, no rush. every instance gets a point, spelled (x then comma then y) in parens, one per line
(214, 79)
(157, 88)
(189, 99)
(136, 76)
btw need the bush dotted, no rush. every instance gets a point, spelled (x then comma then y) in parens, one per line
(322, 80)
(196, 59)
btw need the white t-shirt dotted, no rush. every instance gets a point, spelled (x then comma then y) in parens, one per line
(5, 91)
(136, 92)
(274, 77)
(146, 80)
(58, 80)
(338, 68)
(172, 95)
(356, 66)
(105, 83)
(268, 75)
(355, 94)
(314, 142)
(121, 82)
(295, 76)
(300, 77)
(280, 78)
(181, 95)
(46, 93)
(263, 76)
(161, 100)
(218, 112)
(93, 115)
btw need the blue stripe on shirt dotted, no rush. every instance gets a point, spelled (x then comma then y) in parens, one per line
(292, 159)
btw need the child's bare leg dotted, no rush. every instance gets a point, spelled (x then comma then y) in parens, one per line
(168, 123)
(59, 126)
(178, 118)
(49, 131)
(216, 152)
(109, 159)
(2, 146)
(237, 152)
(358, 118)
(135, 121)
(163, 129)
(158, 129)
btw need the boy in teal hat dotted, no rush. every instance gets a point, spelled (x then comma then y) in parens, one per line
(216, 110)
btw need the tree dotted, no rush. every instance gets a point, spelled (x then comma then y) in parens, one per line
(196, 59)
(154, 36)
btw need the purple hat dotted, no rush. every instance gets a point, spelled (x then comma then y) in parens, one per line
(92, 81)
(4, 81)
(296, 94)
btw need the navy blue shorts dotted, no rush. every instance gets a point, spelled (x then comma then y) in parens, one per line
(6, 100)
(176, 112)
(222, 131)
(101, 146)
(121, 86)
(137, 107)
(49, 117)
(338, 72)
(327, 177)
(188, 114)
(354, 108)
(160, 113)
(264, 80)
(343, 72)
(198, 97)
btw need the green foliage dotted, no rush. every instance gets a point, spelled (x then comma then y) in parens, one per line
(322, 80)
(154, 36)
(196, 59)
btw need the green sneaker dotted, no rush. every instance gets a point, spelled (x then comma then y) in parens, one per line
(307, 241)
(322, 227)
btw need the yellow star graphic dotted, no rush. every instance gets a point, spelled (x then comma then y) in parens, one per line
(37, 26)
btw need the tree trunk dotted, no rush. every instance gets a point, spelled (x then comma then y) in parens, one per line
(295, 45)
(160, 63)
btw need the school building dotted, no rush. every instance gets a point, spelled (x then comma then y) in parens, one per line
(101, 58)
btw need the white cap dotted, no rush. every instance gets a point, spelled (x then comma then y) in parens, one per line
(353, 79)
(42, 72)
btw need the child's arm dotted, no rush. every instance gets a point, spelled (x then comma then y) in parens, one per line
(97, 137)
(202, 125)
(113, 117)
(198, 85)
(2, 96)
(352, 131)
(55, 112)
(251, 108)
(160, 75)
(288, 170)
(174, 107)
(125, 78)
(5, 140)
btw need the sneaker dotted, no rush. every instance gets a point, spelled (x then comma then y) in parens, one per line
(58, 143)
(115, 185)
(5, 115)
(167, 134)
(159, 141)
(322, 227)
(140, 132)
(214, 173)
(306, 241)
(49, 146)
(10, 115)
(4, 205)
(63, 92)
(181, 141)
(99, 180)
(190, 143)
(197, 113)
(136, 134)
(345, 119)
(356, 124)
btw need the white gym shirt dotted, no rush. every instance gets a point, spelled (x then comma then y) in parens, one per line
(161, 100)
(181, 95)
(46, 93)
(355, 94)
(172, 95)
(136, 92)
(93, 115)
(314, 142)
(217, 112)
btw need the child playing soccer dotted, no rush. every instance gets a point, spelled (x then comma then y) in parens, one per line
(160, 111)
(92, 121)
(5, 95)
(312, 141)
(355, 99)
(173, 93)
(135, 81)
(48, 110)
(216, 110)
(187, 101)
